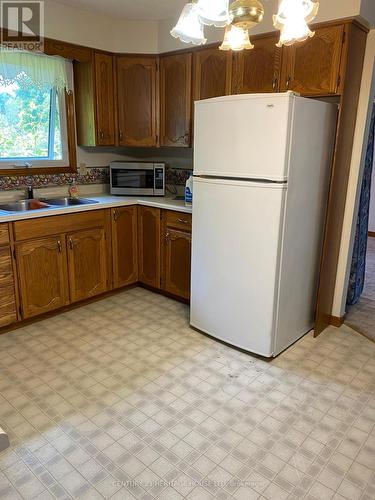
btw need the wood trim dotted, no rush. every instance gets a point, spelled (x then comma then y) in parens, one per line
(337, 321)
(371, 234)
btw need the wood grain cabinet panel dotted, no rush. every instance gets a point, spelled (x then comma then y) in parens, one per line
(177, 263)
(87, 263)
(149, 246)
(42, 275)
(8, 307)
(313, 67)
(125, 246)
(175, 100)
(104, 93)
(257, 70)
(4, 234)
(212, 73)
(137, 100)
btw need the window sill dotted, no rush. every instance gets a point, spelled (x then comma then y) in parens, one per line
(16, 172)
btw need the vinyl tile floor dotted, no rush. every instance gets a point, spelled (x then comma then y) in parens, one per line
(121, 399)
(361, 316)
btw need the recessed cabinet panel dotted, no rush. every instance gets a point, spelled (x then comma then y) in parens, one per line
(42, 275)
(175, 100)
(212, 73)
(313, 67)
(137, 101)
(104, 83)
(177, 263)
(125, 246)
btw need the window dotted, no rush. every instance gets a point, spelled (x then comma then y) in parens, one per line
(33, 121)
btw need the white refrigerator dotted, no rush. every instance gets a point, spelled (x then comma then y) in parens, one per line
(262, 165)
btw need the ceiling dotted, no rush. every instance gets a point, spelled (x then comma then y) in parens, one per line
(151, 10)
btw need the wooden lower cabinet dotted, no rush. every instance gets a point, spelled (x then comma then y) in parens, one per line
(8, 307)
(87, 263)
(125, 246)
(177, 263)
(42, 272)
(149, 248)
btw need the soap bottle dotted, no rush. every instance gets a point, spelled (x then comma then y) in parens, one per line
(73, 190)
(189, 191)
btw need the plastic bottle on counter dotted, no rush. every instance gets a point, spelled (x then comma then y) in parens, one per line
(189, 191)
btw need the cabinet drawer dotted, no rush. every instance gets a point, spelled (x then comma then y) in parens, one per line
(4, 234)
(6, 270)
(8, 312)
(178, 220)
(58, 224)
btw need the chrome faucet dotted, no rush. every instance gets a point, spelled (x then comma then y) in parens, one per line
(30, 192)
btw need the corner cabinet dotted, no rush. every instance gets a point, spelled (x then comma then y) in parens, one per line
(175, 100)
(313, 67)
(149, 248)
(137, 98)
(125, 246)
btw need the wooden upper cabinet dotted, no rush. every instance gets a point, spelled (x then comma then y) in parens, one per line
(257, 70)
(104, 84)
(137, 101)
(212, 73)
(313, 67)
(125, 246)
(149, 247)
(87, 263)
(175, 100)
(43, 282)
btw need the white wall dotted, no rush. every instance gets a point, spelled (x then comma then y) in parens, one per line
(366, 99)
(372, 203)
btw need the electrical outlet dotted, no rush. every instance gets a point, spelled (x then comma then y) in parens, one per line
(83, 168)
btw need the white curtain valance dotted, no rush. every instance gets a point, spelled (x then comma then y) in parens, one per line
(42, 70)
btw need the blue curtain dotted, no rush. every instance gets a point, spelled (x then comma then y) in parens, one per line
(358, 270)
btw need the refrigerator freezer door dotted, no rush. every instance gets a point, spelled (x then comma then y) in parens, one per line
(236, 239)
(243, 136)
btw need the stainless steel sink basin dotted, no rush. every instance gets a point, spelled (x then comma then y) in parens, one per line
(21, 206)
(68, 202)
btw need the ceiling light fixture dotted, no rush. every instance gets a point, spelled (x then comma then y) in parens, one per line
(292, 20)
(240, 16)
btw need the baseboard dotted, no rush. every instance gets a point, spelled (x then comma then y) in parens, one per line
(371, 234)
(337, 321)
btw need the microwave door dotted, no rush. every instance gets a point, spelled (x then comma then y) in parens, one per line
(138, 182)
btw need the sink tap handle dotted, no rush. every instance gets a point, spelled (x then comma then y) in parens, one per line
(30, 192)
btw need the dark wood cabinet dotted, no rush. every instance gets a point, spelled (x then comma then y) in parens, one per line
(175, 100)
(137, 98)
(149, 251)
(313, 67)
(257, 70)
(42, 272)
(95, 100)
(8, 308)
(212, 73)
(87, 263)
(125, 246)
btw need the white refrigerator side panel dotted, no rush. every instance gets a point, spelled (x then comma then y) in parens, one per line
(243, 136)
(236, 243)
(311, 152)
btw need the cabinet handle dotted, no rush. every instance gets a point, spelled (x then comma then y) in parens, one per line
(288, 82)
(183, 221)
(187, 138)
(115, 216)
(167, 236)
(59, 246)
(101, 135)
(274, 84)
(71, 244)
(121, 136)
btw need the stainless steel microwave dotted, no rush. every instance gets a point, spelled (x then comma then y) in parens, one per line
(138, 179)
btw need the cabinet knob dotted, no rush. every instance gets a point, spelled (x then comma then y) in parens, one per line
(167, 236)
(183, 221)
(115, 215)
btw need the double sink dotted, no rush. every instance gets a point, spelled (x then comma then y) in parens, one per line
(44, 203)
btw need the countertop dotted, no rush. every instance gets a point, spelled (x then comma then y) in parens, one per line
(104, 201)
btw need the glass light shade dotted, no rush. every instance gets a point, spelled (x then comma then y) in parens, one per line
(292, 19)
(189, 28)
(214, 12)
(236, 39)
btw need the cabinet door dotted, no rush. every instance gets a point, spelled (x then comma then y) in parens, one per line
(257, 70)
(87, 263)
(175, 100)
(8, 311)
(212, 73)
(313, 67)
(43, 283)
(149, 246)
(137, 101)
(177, 263)
(125, 246)
(104, 94)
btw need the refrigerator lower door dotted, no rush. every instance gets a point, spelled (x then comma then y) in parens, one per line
(237, 227)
